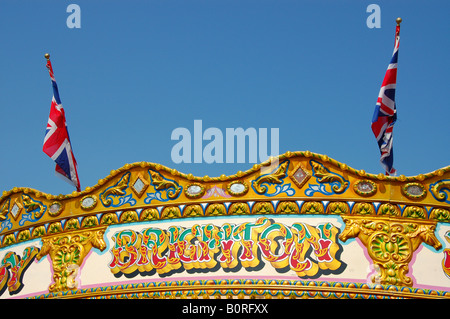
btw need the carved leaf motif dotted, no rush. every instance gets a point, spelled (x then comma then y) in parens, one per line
(116, 190)
(324, 176)
(160, 183)
(276, 177)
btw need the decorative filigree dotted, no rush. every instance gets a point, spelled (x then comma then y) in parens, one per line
(275, 177)
(438, 190)
(118, 190)
(34, 209)
(67, 252)
(160, 183)
(4, 210)
(337, 183)
(390, 244)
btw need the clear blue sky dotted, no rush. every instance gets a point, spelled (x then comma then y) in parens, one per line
(137, 70)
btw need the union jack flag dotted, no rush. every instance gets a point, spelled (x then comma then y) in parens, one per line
(385, 113)
(57, 141)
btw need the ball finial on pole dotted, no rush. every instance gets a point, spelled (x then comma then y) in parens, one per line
(398, 20)
(47, 56)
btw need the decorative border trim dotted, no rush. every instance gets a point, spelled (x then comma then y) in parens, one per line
(248, 288)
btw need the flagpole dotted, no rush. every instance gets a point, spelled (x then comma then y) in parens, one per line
(57, 137)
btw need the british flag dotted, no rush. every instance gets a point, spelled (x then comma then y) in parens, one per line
(385, 113)
(57, 141)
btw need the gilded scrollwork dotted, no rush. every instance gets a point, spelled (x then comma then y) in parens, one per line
(390, 244)
(4, 210)
(67, 252)
(118, 190)
(275, 177)
(34, 210)
(440, 190)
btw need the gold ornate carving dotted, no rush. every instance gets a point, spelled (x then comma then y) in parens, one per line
(193, 211)
(109, 219)
(262, 208)
(129, 216)
(116, 190)
(31, 206)
(67, 252)
(312, 208)
(338, 208)
(149, 214)
(437, 188)
(390, 244)
(276, 177)
(363, 209)
(4, 210)
(440, 214)
(89, 221)
(324, 176)
(72, 224)
(287, 208)
(415, 212)
(160, 184)
(239, 209)
(389, 210)
(215, 210)
(171, 212)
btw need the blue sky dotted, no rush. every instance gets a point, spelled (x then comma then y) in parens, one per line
(137, 70)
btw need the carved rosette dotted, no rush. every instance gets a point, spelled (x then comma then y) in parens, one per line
(390, 244)
(67, 252)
